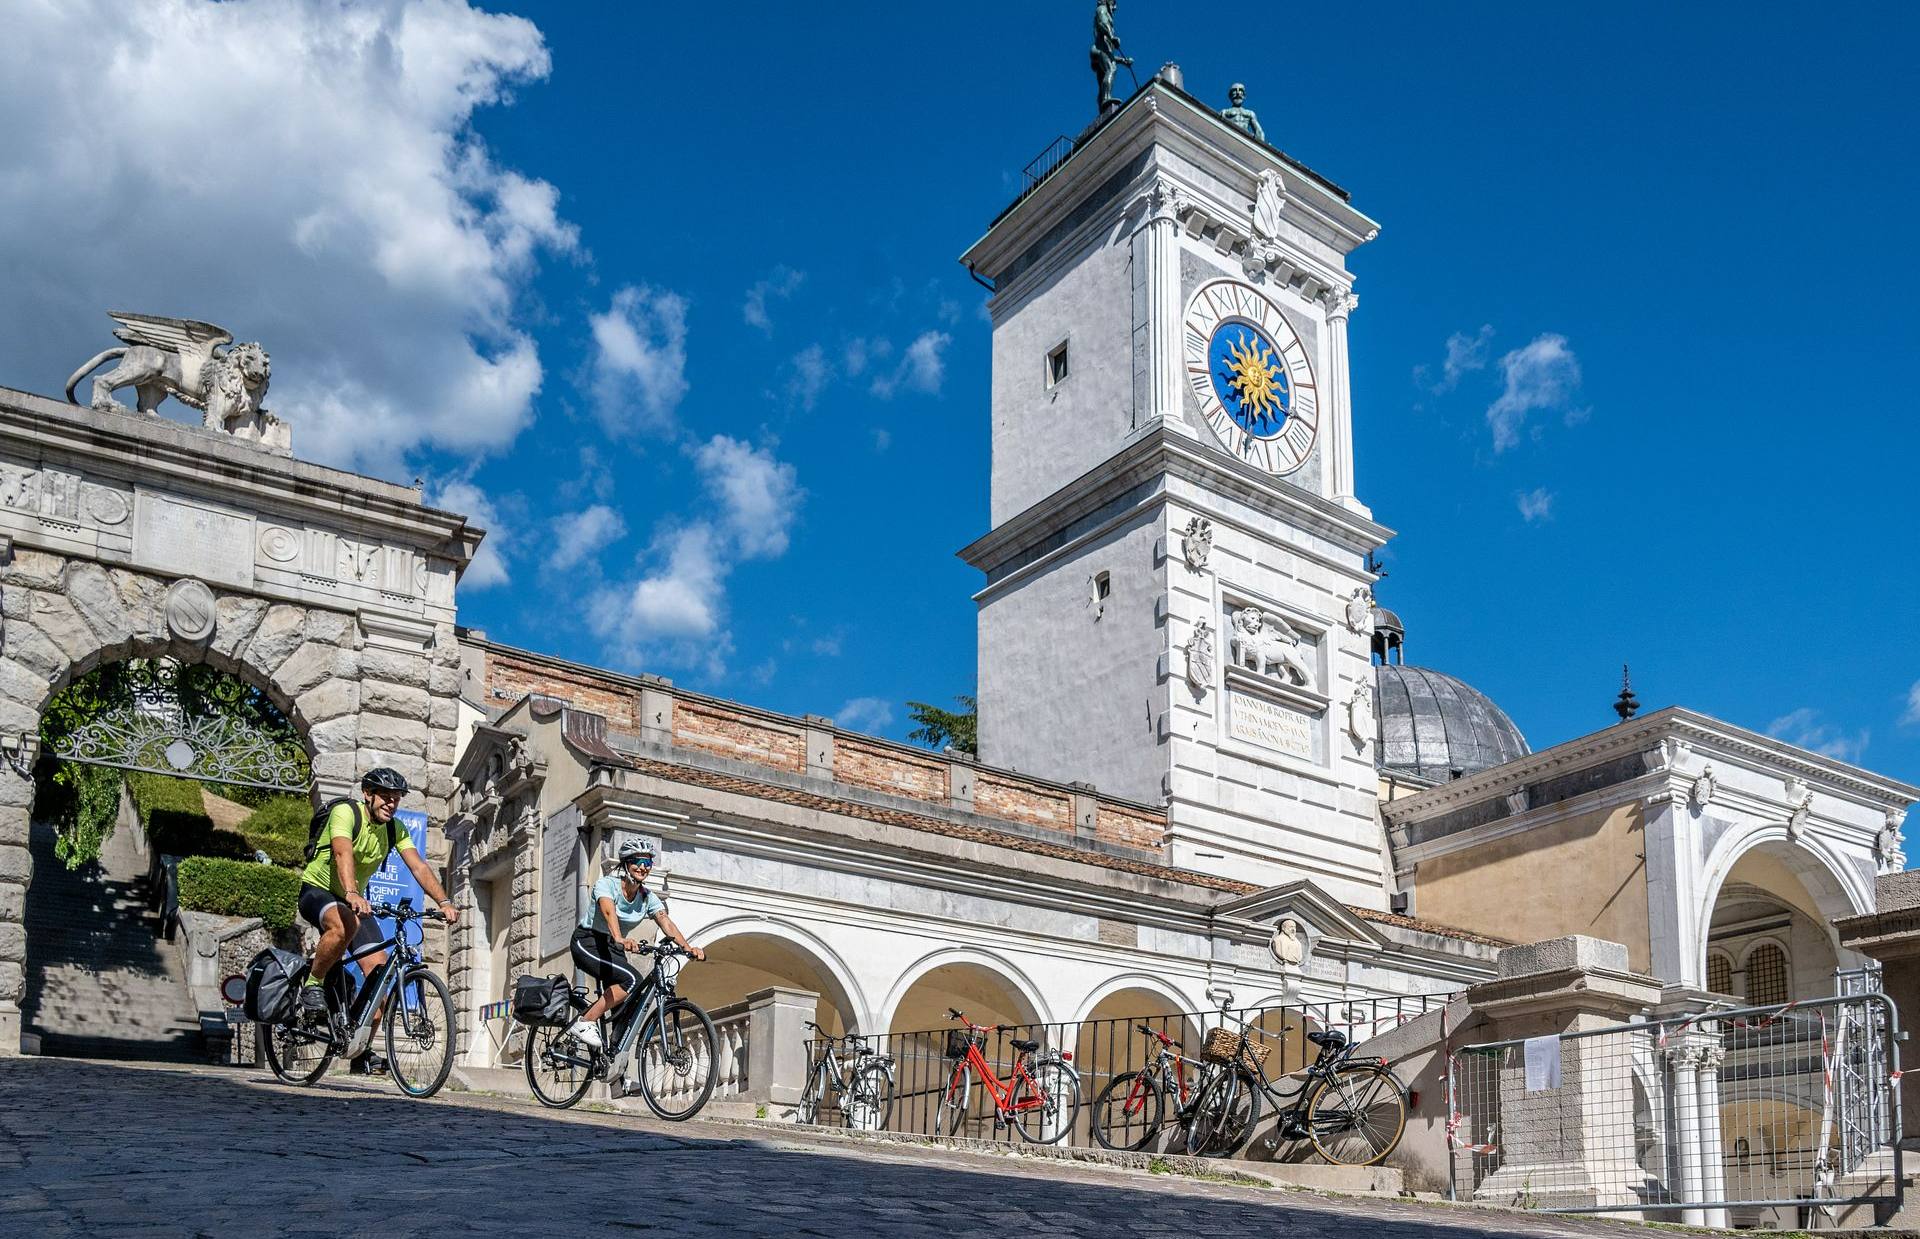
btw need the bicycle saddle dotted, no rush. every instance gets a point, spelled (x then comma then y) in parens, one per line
(1333, 1039)
(1025, 1047)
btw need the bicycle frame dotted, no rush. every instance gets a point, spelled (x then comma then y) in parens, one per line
(363, 1004)
(646, 1002)
(1002, 1091)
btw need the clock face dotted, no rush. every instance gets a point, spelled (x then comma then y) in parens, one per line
(1251, 375)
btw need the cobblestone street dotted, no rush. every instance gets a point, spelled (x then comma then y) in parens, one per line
(94, 1149)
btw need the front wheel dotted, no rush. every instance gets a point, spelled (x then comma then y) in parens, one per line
(1224, 1115)
(420, 1034)
(953, 1102)
(808, 1111)
(1046, 1101)
(868, 1103)
(559, 1069)
(678, 1052)
(1357, 1116)
(1126, 1114)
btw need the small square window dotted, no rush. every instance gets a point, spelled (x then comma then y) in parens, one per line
(1057, 365)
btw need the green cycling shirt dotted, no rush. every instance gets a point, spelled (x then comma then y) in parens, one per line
(369, 848)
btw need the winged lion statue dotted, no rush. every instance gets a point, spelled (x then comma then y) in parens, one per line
(197, 364)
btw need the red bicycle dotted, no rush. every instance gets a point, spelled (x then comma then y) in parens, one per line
(1129, 1111)
(1040, 1098)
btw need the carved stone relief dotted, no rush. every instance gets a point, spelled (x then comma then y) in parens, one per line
(1360, 720)
(1704, 788)
(1200, 657)
(1196, 543)
(1360, 611)
(1268, 646)
(191, 610)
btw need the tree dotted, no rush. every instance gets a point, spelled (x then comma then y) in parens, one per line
(955, 729)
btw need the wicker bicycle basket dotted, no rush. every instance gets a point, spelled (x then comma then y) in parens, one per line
(1226, 1047)
(957, 1042)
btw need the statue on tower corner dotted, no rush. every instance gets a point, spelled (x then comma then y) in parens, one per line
(1240, 117)
(197, 364)
(1106, 53)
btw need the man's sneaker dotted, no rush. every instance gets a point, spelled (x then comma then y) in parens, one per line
(313, 1001)
(586, 1034)
(368, 1064)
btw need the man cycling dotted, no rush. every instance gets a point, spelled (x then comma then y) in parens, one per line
(333, 897)
(621, 901)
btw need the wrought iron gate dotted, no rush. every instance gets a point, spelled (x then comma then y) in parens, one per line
(189, 720)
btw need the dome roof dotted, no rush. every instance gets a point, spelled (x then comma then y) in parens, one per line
(1432, 725)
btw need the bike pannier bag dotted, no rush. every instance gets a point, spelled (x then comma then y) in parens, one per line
(274, 979)
(539, 1001)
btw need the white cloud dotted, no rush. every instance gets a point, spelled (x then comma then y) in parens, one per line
(304, 173)
(882, 438)
(1807, 729)
(1464, 353)
(810, 373)
(783, 283)
(868, 714)
(640, 360)
(676, 613)
(862, 351)
(581, 536)
(1912, 715)
(489, 566)
(1543, 375)
(1535, 505)
(922, 367)
(758, 493)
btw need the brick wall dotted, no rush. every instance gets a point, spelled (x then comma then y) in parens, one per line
(740, 736)
(1020, 801)
(780, 744)
(509, 679)
(889, 770)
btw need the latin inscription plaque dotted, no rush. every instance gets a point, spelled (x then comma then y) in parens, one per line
(1270, 725)
(189, 539)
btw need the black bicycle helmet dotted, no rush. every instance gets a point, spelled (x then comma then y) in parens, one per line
(384, 779)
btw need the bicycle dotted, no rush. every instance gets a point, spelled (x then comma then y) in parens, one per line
(417, 1007)
(678, 1047)
(867, 1076)
(1043, 1081)
(1353, 1111)
(1136, 1101)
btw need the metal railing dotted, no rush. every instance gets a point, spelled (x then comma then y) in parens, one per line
(1099, 1050)
(1789, 1107)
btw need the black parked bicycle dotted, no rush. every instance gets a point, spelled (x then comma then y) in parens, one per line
(860, 1081)
(1353, 1110)
(677, 1044)
(417, 1011)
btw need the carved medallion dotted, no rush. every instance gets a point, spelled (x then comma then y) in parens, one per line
(280, 545)
(1360, 611)
(1196, 542)
(1704, 788)
(191, 610)
(1288, 944)
(107, 506)
(1360, 724)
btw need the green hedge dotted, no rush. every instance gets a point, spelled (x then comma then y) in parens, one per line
(239, 888)
(279, 828)
(155, 792)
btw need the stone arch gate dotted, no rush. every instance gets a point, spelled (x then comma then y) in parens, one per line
(136, 537)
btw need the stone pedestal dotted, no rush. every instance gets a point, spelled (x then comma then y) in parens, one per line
(777, 1043)
(1572, 1145)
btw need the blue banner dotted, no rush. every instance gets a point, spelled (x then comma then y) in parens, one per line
(393, 881)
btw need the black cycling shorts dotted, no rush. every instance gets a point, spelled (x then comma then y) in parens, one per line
(594, 951)
(314, 902)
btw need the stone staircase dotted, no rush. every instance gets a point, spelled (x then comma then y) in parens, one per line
(99, 983)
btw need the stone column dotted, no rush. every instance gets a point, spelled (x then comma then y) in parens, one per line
(777, 1043)
(1688, 1182)
(1572, 1145)
(1712, 1155)
(1338, 389)
(1156, 310)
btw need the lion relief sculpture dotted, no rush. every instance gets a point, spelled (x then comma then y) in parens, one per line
(197, 364)
(1269, 646)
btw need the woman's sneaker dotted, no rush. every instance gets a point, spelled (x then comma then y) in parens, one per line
(586, 1034)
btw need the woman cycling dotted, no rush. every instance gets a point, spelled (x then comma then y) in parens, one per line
(621, 901)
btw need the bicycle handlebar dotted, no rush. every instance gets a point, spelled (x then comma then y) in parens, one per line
(405, 911)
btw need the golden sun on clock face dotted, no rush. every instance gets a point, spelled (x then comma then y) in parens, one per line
(1250, 372)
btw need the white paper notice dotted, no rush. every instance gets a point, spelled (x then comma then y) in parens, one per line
(1543, 1063)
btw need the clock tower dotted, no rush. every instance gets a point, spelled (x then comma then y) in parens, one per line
(1177, 604)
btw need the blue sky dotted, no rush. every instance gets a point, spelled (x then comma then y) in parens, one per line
(671, 298)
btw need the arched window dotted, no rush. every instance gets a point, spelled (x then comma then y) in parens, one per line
(1766, 975)
(1719, 972)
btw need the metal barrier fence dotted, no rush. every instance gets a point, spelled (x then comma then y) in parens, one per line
(1710, 1119)
(1099, 1050)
